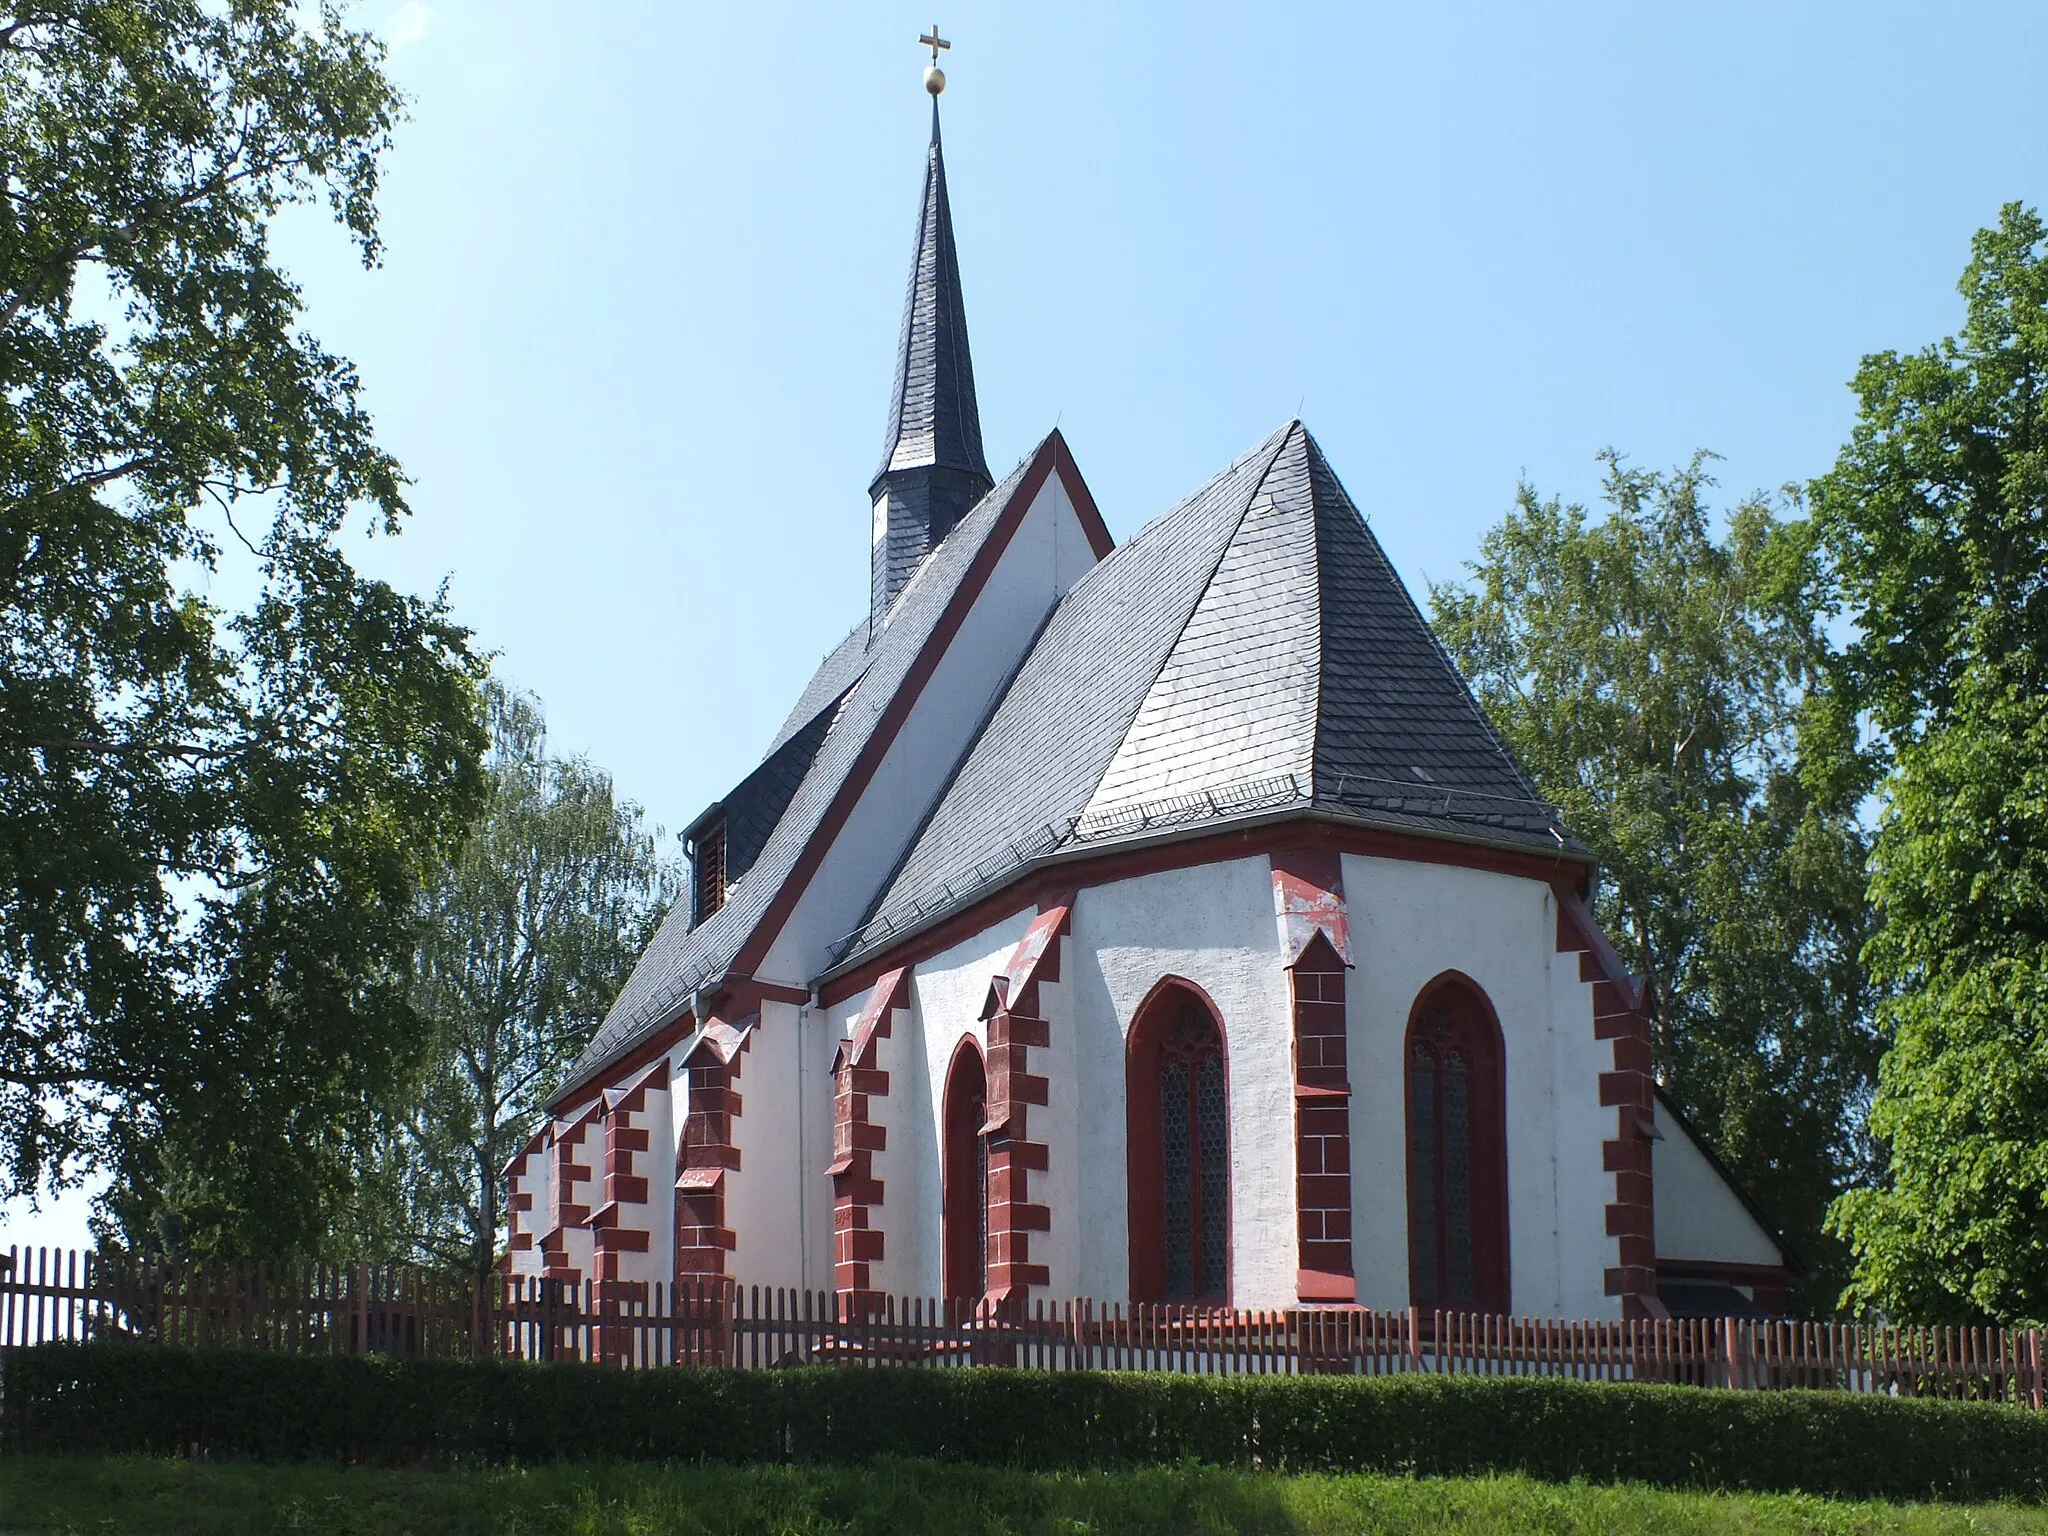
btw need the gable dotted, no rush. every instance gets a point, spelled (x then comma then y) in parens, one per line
(982, 569)
(1701, 1214)
(1251, 653)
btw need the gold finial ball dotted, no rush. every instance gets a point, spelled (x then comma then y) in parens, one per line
(934, 79)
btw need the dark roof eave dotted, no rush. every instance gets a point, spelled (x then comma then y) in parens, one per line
(1566, 853)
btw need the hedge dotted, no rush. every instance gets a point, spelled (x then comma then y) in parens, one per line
(120, 1397)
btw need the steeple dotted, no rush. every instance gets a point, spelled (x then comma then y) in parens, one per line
(933, 469)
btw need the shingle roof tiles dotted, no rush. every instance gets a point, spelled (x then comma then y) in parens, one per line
(1069, 705)
(933, 419)
(681, 957)
(1253, 649)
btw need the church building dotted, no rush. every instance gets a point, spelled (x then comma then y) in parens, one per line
(1160, 921)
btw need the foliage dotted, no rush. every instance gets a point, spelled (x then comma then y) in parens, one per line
(1653, 680)
(1936, 520)
(118, 1396)
(916, 1498)
(525, 937)
(211, 821)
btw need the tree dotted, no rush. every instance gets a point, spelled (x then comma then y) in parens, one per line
(1653, 680)
(212, 821)
(1935, 518)
(525, 937)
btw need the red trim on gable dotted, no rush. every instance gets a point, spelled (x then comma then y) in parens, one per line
(1083, 499)
(898, 709)
(1300, 834)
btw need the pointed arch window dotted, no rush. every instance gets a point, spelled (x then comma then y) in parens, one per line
(964, 1177)
(1457, 1165)
(1178, 1149)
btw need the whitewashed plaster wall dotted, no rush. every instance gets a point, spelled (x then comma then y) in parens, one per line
(821, 1031)
(1409, 923)
(1213, 926)
(1698, 1216)
(530, 1177)
(946, 995)
(764, 1196)
(1046, 555)
(658, 1214)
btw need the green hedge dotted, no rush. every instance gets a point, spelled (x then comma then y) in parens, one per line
(123, 1397)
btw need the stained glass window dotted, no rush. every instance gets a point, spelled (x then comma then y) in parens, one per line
(1194, 1158)
(1456, 1209)
(966, 1248)
(1457, 1155)
(1178, 1206)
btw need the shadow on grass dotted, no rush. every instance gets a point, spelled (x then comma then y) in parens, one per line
(900, 1498)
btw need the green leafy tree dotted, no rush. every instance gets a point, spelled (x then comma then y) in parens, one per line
(1652, 679)
(212, 819)
(1936, 519)
(525, 937)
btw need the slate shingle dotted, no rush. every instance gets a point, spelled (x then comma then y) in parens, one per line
(1251, 650)
(681, 957)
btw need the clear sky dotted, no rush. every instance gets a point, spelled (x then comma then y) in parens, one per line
(634, 332)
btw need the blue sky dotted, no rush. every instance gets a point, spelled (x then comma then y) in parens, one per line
(634, 330)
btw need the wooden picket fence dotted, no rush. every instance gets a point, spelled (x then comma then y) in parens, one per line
(349, 1309)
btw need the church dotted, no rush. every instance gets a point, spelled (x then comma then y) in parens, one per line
(1160, 921)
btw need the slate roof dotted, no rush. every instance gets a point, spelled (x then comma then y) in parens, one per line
(1250, 653)
(755, 807)
(839, 671)
(680, 957)
(933, 418)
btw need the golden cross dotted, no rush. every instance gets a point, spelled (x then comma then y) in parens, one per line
(933, 41)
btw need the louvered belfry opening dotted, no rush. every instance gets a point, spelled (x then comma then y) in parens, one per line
(708, 869)
(1457, 1174)
(1178, 1150)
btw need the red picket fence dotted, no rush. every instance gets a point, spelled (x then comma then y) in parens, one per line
(404, 1309)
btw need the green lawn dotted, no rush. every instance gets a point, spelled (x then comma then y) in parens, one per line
(135, 1494)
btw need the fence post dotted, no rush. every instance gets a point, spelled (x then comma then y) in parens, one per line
(1731, 1332)
(2034, 1360)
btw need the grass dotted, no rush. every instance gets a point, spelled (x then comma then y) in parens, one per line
(95, 1495)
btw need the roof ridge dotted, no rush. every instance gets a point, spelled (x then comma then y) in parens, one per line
(1463, 689)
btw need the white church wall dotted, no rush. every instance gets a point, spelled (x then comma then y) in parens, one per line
(1211, 925)
(530, 1178)
(764, 1195)
(1029, 576)
(579, 1196)
(1409, 923)
(822, 1030)
(657, 1214)
(946, 993)
(1698, 1216)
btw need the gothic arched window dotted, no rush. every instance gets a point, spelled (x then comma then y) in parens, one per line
(1457, 1164)
(964, 1177)
(1178, 1149)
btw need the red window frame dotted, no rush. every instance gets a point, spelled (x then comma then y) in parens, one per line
(1452, 1029)
(1144, 1163)
(964, 1175)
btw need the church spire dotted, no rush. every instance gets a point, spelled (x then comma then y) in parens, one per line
(933, 469)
